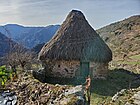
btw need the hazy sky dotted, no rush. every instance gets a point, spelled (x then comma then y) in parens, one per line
(46, 12)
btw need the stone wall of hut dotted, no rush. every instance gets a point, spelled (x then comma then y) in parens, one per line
(99, 70)
(67, 69)
(70, 69)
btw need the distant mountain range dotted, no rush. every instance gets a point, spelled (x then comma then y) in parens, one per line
(29, 36)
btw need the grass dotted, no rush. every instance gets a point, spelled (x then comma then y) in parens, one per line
(98, 99)
(128, 62)
(133, 60)
(135, 57)
(103, 90)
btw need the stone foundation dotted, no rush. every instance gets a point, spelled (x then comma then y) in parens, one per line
(65, 68)
(70, 69)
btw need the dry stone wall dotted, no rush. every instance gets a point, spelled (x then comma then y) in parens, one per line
(70, 69)
(65, 68)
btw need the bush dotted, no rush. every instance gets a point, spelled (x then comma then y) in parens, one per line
(5, 74)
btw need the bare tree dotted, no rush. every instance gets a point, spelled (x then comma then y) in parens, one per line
(18, 55)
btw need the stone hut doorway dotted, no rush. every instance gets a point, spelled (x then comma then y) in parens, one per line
(84, 69)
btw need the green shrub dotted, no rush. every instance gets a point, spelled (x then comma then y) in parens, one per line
(5, 74)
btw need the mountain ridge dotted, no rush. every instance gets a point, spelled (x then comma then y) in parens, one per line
(5, 44)
(28, 36)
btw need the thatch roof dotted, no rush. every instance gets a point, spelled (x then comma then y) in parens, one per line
(76, 40)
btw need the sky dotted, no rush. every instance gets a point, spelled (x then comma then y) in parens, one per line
(49, 12)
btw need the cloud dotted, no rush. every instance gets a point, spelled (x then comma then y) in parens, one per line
(44, 12)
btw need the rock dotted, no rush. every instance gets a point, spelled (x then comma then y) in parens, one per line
(78, 90)
(128, 103)
(23, 85)
(1, 98)
(81, 100)
(8, 98)
(122, 92)
(136, 102)
(136, 96)
(40, 75)
(65, 101)
(44, 99)
(116, 96)
(57, 85)
(9, 103)
(14, 100)
(78, 96)
(4, 101)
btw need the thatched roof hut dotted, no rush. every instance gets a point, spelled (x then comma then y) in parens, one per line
(76, 40)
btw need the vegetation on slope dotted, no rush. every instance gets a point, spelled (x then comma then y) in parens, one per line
(5, 74)
(123, 38)
(118, 79)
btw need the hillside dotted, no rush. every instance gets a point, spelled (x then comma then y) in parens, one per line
(5, 44)
(123, 38)
(29, 36)
(38, 48)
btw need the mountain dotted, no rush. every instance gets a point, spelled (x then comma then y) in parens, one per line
(37, 48)
(29, 36)
(123, 38)
(5, 44)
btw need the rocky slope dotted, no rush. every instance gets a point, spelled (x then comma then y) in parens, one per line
(123, 38)
(126, 97)
(29, 36)
(32, 92)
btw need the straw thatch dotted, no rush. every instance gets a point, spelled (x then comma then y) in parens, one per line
(76, 40)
